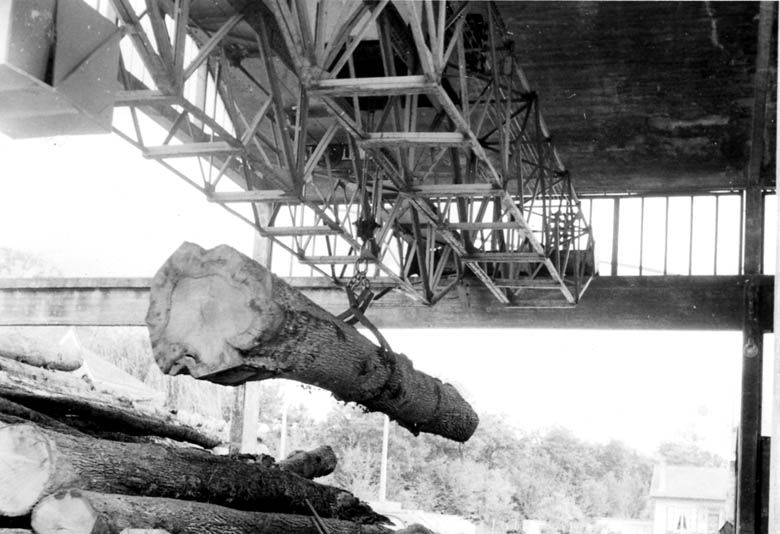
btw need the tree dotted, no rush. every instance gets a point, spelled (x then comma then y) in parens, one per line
(499, 477)
(16, 263)
(688, 453)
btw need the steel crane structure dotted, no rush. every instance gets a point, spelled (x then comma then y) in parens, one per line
(396, 139)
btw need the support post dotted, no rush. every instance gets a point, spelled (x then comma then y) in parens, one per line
(748, 461)
(244, 415)
(748, 511)
(774, 455)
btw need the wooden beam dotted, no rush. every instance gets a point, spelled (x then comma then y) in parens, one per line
(381, 86)
(652, 302)
(256, 195)
(748, 464)
(406, 139)
(190, 150)
(748, 511)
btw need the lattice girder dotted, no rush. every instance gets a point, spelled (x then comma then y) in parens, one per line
(448, 165)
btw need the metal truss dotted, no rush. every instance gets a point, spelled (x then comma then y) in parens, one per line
(397, 138)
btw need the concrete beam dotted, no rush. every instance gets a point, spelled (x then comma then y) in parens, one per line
(660, 303)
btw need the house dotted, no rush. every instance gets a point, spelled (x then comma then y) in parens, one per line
(688, 499)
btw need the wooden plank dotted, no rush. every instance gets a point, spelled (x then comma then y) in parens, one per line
(279, 231)
(382, 86)
(149, 97)
(406, 139)
(328, 260)
(259, 195)
(446, 190)
(190, 150)
(504, 257)
(499, 225)
(653, 302)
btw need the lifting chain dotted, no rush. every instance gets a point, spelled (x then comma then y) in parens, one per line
(359, 292)
(360, 297)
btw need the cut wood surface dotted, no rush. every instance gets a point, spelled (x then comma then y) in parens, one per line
(85, 407)
(84, 512)
(48, 461)
(32, 346)
(220, 316)
(315, 463)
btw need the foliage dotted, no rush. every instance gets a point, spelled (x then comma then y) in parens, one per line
(688, 453)
(21, 264)
(499, 477)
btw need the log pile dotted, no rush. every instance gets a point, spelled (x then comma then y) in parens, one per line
(220, 316)
(77, 483)
(85, 460)
(24, 345)
(79, 404)
(81, 459)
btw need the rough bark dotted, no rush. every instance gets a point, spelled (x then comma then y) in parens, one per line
(84, 512)
(315, 463)
(13, 413)
(81, 405)
(49, 461)
(220, 316)
(25, 344)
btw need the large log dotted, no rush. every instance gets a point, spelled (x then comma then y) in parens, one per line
(13, 413)
(84, 512)
(220, 316)
(29, 345)
(48, 461)
(87, 408)
(315, 463)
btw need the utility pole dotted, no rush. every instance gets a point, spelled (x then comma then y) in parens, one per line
(383, 465)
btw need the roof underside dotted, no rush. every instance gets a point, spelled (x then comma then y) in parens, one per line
(645, 96)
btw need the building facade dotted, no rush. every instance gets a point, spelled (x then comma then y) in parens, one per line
(689, 500)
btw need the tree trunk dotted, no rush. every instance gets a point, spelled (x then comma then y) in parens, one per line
(48, 461)
(220, 316)
(81, 405)
(85, 512)
(318, 462)
(27, 345)
(13, 413)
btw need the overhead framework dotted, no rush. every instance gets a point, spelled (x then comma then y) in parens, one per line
(397, 138)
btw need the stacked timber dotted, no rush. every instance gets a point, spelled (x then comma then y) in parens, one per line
(85, 460)
(319, 462)
(78, 483)
(54, 398)
(220, 316)
(25, 345)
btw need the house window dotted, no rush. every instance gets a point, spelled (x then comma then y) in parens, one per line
(681, 519)
(713, 521)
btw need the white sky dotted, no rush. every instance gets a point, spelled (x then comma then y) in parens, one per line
(95, 207)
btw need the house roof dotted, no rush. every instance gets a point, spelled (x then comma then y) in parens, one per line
(689, 482)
